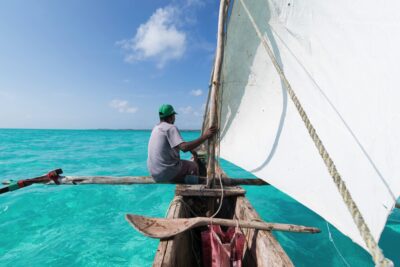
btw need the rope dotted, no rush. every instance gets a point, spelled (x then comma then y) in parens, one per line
(369, 240)
(222, 197)
(224, 6)
(186, 206)
(334, 245)
(218, 150)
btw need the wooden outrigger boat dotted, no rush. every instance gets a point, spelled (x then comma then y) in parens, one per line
(261, 247)
(220, 200)
(257, 33)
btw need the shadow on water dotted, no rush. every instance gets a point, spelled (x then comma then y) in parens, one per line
(239, 56)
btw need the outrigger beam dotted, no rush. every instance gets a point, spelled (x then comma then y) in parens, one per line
(51, 176)
(129, 180)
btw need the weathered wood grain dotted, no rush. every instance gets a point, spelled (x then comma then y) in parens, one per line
(176, 251)
(131, 180)
(201, 190)
(264, 248)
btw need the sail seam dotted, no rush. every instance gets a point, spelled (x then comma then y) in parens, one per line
(363, 228)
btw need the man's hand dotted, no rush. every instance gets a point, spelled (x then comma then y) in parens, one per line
(187, 146)
(194, 154)
(210, 132)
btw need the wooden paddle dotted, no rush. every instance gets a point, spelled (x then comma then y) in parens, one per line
(164, 228)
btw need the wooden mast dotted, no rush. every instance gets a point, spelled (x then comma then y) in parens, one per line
(213, 112)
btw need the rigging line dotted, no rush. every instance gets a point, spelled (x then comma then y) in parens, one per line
(218, 150)
(364, 151)
(185, 205)
(218, 142)
(206, 109)
(222, 197)
(218, 108)
(334, 245)
(363, 228)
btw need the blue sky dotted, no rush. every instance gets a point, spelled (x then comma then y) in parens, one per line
(104, 64)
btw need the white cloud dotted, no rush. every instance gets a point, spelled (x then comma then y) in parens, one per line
(186, 110)
(189, 110)
(189, 3)
(122, 106)
(157, 39)
(197, 92)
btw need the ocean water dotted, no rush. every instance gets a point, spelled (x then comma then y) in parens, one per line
(85, 226)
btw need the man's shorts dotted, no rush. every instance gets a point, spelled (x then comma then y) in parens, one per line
(188, 168)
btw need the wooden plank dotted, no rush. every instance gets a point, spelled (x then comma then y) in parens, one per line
(162, 247)
(123, 180)
(176, 252)
(131, 180)
(264, 248)
(168, 250)
(201, 190)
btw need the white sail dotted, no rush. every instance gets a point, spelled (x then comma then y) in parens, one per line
(342, 60)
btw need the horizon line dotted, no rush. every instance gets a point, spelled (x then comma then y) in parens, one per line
(91, 129)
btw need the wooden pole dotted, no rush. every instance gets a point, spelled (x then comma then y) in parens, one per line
(264, 225)
(214, 91)
(131, 180)
(166, 228)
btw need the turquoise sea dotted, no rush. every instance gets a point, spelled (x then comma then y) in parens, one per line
(85, 226)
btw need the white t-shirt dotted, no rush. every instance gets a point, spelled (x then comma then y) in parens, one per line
(163, 159)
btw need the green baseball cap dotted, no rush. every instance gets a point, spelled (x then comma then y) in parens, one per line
(166, 110)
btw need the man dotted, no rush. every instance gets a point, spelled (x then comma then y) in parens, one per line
(163, 160)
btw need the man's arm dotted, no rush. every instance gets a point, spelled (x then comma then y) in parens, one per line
(187, 146)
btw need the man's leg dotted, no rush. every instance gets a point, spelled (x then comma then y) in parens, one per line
(188, 168)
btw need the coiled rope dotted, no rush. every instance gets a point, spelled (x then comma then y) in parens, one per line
(369, 240)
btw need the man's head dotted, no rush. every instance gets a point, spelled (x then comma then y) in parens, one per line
(167, 113)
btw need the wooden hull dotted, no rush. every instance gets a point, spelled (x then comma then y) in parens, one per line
(262, 249)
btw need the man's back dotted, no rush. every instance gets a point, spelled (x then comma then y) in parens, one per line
(163, 153)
